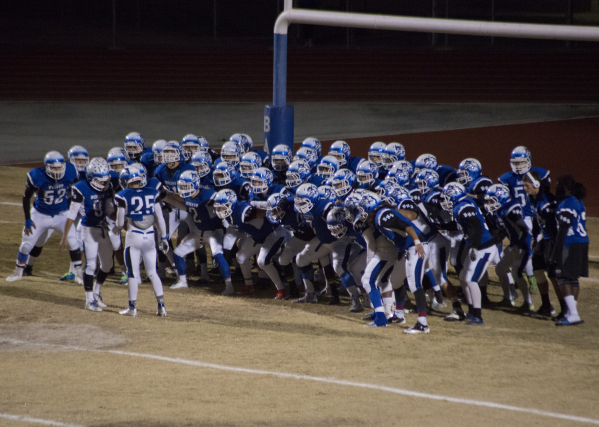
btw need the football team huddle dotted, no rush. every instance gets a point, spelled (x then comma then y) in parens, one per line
(373, 228)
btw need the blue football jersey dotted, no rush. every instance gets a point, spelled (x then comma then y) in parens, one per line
(93, 203)
(317, 220)
(353, 163)
(51, 197)
(169, 177)
(257, 228)
(506, 219)
(147, 160)
(447, 174)
(393, 226)
(203, 215)
(464, 212)
(514, 182)
(572, 212)
(138, 202)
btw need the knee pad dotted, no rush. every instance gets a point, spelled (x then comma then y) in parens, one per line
(75, 255)
(101, 276)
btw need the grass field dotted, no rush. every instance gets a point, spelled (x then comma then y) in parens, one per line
(217, 361)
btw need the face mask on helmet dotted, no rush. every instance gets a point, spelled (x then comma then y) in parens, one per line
(171, 155)
(223, 210)
(221, 177)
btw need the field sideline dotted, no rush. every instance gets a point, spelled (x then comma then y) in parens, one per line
(255, 361)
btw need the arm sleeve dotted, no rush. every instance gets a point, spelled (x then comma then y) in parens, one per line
(173, 202)
(393, 222)
(160, 218)
(30, 190)
(120, 217)
(259, 205)
(76, 201)
(472, 226)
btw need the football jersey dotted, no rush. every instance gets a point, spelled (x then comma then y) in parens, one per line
(447, 174)
(572, 213)
(93, 203)
(169, 177)
(393, 226)
(467, 213)
(478, 188)
(138, 203)
(51, 197)
(514, 182)
(147, 160)
(353, 163)
(507, 218)
(292, 221)
(317, 220)
(244, 220)
(203, 215)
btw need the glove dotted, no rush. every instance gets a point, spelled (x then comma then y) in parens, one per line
(28, 223)
(163, 246)
(473, 253)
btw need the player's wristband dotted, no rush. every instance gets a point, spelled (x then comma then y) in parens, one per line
(28, 223)
(417, 242)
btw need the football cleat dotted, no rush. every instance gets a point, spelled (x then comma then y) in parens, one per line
(16, 275)
(368, 317)
(180, 285)
(435, 306)
(248, 290)
(374, 325)
(475, 321)
(418, 328)
(92, 306)
(397, 320)
(546, 311)
(281, 294)
(28, 271)
(566, 322)
(129, 312)
(124, 279)
(67, 276)
(99, 301)
(378, 319)
(228, 291)
(161, 311)
(356, 305)
(309, 298)
(456, 316)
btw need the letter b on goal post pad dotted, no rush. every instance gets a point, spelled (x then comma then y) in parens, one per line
(278, 127)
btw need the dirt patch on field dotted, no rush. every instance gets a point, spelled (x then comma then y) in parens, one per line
(53, 337)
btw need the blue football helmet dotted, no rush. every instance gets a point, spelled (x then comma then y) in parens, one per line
(426, 180)
(98, 174)
(404, 165)
(306, 197)
(393, 152)
(520, 160)
(244, 141)
(55, 165)
(261, 180)
(188, 183)
(223, 174)
(134, 145)
(375, 152)
(468, 171)
(190, 145)
(297, 174)
(327, 167)
(369, 202)
(391, 193)
(453, 193)
(327, 192)
(340, 150)
(352, 205)
(204, 144)
(276, 208)
(314, 144)
(336, 222)
(223, 203)
(426, 161)
(78, 157)
(343, 182)
(171, 153)
(230, 153)
(398, 176)
(157, 148)
(307, 154)
(280, 157)
(249, 163)
(131, 174)
(117, 159)
(366, 173)
(496, 198)
(202, 162)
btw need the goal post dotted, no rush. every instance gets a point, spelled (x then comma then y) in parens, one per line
(278, 117)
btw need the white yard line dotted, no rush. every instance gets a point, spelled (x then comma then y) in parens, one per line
(26, 419)
(334, 381)
(11, 203)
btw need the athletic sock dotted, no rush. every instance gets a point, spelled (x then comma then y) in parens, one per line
(573, 312)
(160, 300)
(97, 288)
(545, 300)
